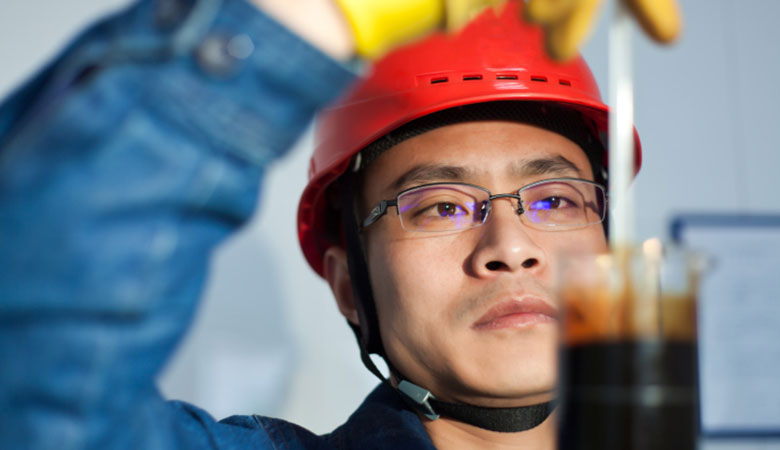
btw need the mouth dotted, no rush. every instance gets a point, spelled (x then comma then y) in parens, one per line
(517, 313)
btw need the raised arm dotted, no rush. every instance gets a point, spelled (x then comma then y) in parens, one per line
(122, 165)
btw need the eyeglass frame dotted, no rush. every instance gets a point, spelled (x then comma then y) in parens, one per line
(380, 209)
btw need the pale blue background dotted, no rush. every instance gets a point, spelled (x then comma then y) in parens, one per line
(706, 111)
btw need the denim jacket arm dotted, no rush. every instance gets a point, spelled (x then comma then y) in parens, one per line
(122, 165)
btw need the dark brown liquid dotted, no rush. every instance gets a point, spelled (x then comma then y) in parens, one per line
(629, 395)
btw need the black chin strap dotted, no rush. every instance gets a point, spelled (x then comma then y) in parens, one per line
(505, 420)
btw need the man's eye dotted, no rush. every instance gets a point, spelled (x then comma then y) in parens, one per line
(449, 210)
(552, 202)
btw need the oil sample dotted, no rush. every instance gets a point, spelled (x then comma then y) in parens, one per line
(629, 377)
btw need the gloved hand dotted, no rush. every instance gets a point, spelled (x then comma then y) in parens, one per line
(381, 25)
(568, 22)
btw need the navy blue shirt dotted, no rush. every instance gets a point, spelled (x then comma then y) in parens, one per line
(382, 422)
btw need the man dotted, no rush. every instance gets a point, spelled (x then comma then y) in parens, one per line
(144, 143)
(475, 163)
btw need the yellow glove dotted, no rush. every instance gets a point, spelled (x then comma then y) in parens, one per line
(457, 13)
(568, 22)
(381, 25)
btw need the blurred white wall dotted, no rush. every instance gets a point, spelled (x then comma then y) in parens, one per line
(705, 110)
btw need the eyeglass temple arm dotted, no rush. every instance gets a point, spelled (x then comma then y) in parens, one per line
(377, 212)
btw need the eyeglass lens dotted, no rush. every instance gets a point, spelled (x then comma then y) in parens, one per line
(563, 204)
(442, 207)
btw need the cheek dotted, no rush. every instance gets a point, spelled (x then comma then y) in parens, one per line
(413, 279)
(594, 240)
(587, 240)
(558, 244)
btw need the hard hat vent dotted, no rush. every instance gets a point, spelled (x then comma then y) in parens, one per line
(501, 76)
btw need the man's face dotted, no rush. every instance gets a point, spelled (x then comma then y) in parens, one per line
(454, 307)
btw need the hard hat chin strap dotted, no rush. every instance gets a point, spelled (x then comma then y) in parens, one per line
(505, 420)
(367, 332)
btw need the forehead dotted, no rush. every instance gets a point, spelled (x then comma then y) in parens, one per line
(484, 152)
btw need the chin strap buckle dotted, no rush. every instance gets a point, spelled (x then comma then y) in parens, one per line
(419, 398)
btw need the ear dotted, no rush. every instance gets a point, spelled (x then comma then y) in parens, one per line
(337, 273)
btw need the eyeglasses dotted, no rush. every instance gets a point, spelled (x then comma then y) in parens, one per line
(552, 204)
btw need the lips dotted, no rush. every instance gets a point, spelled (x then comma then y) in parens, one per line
(517, 313)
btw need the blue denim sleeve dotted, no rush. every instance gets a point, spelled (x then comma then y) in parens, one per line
(122, 165)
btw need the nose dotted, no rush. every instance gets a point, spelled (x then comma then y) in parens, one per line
(504, 244)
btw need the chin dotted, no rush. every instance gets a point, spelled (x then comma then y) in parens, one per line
(515, 361)
(503, 382)
(522, 383)
(512, 396)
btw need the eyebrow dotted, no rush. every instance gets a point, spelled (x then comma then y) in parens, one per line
(544, 166)
(427, 173)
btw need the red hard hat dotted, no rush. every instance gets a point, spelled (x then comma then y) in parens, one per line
(496, 57)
